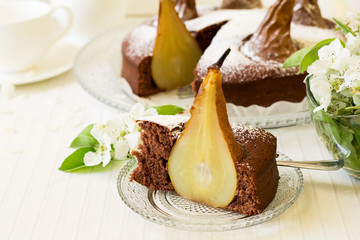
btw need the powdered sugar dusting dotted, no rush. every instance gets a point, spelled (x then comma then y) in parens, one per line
(237, 64)
(142, 40)
(217, 16)
(170, 121)
(244, 132)
(250, 134)
(310, 35)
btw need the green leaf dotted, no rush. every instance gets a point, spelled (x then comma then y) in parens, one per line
(86, 131)
(344, 28)
(313, 54)
(295, 59)
(75, 160)
(168, 109)
(342, 42)
(344, 112)
(84, 139)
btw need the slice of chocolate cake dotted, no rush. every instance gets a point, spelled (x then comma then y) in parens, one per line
(258, 175)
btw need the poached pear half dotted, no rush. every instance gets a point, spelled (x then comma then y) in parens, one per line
(176, 52)
(201, 164)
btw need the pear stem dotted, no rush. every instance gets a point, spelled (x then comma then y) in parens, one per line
(221, 60)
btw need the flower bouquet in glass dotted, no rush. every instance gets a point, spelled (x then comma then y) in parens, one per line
(333, 91)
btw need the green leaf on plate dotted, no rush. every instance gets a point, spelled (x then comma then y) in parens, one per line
(295, 59)
(168, 109)
(313, 54)
(84, 139)
(75, 160)
(344, 28)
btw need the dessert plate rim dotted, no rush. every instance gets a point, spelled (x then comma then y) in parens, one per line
(154, 205)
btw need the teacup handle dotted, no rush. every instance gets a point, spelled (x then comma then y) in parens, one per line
(64, 27)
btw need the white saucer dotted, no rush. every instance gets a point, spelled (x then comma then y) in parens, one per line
(59, 59)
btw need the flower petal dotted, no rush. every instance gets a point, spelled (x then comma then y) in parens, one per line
(319, 66)
(150, 112)
(321, 89)
(353, 43)
(98, 131)
(105, 157)
(115, 129)
(133, 139)
(92, 159)
(356, 98)
(121, 150)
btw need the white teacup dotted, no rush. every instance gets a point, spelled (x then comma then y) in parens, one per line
(92, 17)
(27, 30)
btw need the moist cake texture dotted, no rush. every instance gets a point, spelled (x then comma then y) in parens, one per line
(257, 171)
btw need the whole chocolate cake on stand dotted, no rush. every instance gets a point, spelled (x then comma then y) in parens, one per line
(260, 39)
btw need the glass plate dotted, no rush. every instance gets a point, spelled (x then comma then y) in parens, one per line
(169, 209)
(97, 68)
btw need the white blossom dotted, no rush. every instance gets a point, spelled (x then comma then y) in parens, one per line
(353, 20)
(121, 148)
(353, 43)
(319, 66)
(117, 137)
(133, 139)
(116, 129)
(335, 76)
(351, 80)
(333, 51)
(353, 63)
(102, 151)
(356, 98)
(321, 90)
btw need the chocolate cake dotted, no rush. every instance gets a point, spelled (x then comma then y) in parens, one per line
(253, 73)
(138, 45)
(247, 79)
(258, 175)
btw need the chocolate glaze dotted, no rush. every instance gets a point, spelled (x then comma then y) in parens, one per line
(272, 40)
(257, 170)
(186, 9)
(241, 4)
(307, 12)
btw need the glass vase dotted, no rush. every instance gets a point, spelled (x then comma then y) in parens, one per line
(341, 134)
